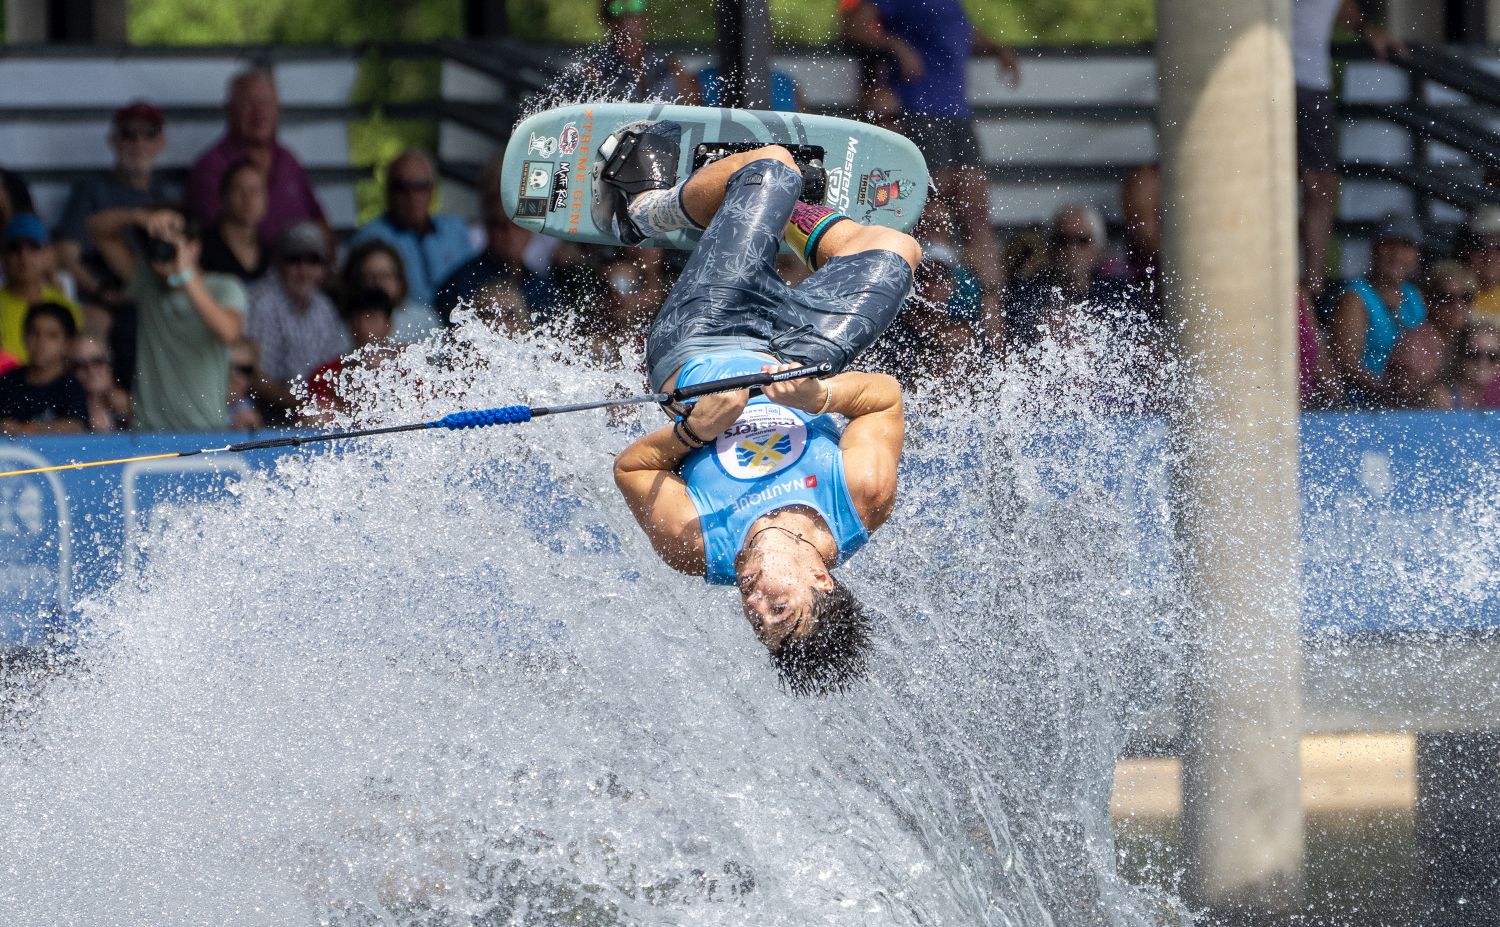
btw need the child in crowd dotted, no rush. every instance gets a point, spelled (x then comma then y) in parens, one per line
(108, 403)
(368, 314)
(42, 397)
(1474, 377)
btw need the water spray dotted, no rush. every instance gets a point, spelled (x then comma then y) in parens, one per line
(472, 418)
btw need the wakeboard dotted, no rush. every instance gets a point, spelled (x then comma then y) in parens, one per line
(868, 173)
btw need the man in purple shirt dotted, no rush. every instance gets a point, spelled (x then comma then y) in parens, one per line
(252, 111)
(929, 43)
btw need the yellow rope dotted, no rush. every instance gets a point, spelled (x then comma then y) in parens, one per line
(95, 463)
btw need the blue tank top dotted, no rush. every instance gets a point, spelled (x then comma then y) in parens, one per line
(772, 457)
(1383, 329)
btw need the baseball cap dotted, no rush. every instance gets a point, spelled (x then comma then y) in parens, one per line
(139, 111)
(1486, 221)
(1396, 227)
(27, 226)
(301, 239)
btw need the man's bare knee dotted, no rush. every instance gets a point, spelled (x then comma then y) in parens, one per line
(774, 153)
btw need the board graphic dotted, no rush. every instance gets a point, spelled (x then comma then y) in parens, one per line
(872, 175)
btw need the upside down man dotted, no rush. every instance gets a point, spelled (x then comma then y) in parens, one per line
(765, 493)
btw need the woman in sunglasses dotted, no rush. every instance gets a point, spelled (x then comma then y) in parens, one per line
(1473, 378)
(1415, 371)
(108, 403)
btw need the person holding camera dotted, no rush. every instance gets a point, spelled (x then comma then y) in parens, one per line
(187, 318)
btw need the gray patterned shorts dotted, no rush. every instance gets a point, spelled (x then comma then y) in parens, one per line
(730, 297)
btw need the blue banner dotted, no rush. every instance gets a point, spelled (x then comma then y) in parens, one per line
(1401, 518)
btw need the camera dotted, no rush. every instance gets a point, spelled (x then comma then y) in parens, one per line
(160, 251)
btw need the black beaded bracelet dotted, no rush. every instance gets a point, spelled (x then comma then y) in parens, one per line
(682, 439)
(691, 433)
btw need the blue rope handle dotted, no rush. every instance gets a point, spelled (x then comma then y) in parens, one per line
(482, 418)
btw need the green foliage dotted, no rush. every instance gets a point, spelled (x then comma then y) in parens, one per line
(336, 22)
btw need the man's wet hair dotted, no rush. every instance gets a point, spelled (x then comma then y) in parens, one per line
(832, 656)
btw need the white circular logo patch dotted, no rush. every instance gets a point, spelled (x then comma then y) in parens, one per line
(767, 439)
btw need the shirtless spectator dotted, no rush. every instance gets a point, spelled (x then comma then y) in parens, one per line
(186, 318)
(137, 136)
(252, 111)
(931, 42)
(291, 318)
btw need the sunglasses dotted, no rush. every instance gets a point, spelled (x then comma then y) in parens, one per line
(1064, 238)
(625, 7)
(22, 244)
(1492, 357)
(244, 370)
(137, 135)
(402, 185)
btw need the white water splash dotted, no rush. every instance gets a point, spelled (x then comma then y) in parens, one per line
(441, 679)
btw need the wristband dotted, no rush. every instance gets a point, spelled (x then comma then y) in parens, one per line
(690, 432)
(681, 439)
(827, 397)
(181, 278)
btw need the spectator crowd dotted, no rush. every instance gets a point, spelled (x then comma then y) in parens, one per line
(231, 303)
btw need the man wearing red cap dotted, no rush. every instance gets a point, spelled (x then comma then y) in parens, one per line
(137, 137)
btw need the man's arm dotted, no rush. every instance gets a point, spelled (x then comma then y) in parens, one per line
(1005, 57)
(107, 228)
(872, 440)
(646, 473)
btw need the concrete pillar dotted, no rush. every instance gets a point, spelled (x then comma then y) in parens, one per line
(1229, 184)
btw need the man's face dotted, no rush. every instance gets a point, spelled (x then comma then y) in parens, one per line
(137, 145)
(776, 592)
(254, 110)
(26, 261)
(301, 274)
(410, 185)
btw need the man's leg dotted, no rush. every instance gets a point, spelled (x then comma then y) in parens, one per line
(847, 238)
(729, 288)
(865, 274)
(703, 193)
